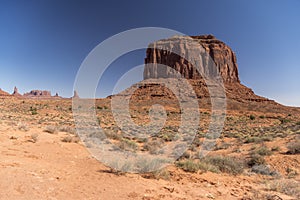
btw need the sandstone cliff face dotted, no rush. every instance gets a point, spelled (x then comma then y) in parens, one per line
(213, 50)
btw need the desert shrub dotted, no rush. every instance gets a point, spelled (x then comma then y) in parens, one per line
(226, 164)
(128, 145)
(33, 110)
(67, 129)
(113, 135)
(168, 136)
(291, 173)
(276, 148)
(153, 146)
(256, 139)
(252, 117)
(188, 165)
(162, 174)
(263, 169)
(263, 151)
(67, 139)
(70, 139)
(294, 147)
(284, 120)
(151, 165)
(51, 129)
(286, 186)
(214, 164)
(256, 159)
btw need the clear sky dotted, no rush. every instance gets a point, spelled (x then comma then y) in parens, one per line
(43, 43)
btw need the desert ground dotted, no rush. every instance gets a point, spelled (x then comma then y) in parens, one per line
(256, 157)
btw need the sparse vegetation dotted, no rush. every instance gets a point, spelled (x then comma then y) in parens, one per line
(214, 164)
(286, 186)
(294, 147)
(263, 169)
(252, 117)
(128, 145)
(70, 139)
(256, 159)
(263, 151)
(51, 129)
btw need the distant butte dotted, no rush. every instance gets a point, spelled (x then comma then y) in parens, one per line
(211, 50)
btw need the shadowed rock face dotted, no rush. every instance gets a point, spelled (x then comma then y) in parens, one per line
(211, 50)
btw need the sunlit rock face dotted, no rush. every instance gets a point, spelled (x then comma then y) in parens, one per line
(211, 58)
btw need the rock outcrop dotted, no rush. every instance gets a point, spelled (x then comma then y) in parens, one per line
(168, 52)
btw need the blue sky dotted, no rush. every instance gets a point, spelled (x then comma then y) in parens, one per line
(43, 43)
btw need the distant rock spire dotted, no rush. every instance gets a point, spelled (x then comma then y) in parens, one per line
(75, 94)
(16, 92)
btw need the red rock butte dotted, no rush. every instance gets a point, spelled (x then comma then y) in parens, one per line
(168, 52)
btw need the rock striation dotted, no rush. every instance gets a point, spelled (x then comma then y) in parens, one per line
(209, 54)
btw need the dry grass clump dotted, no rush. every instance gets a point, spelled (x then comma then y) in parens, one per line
(70, 139)
(67, 129)
(128, 145)
(34, 137)
(153, 146)
(214, 164)
(286, 186)
(256, 159)
(23, 127)
(294, 147)
(264, 170)
(263, 151)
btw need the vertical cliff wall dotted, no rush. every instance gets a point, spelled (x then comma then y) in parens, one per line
(213, 50)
